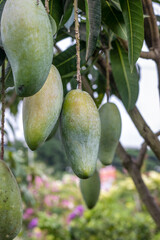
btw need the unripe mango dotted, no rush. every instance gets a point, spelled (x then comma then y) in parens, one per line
(28, 42)
(10, 204)
(90, 189)
(41, 111)
(110, 132)
(80, 129)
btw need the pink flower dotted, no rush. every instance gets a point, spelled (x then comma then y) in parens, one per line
(38, 182)
(50, 200)
(28, 213)
(67, 204)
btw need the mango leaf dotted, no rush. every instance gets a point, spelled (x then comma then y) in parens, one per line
(116, 4)
(113, 18)
(55, 10)
(70, 21)
(93, 25)
(53, 24)
(126, 82)
(68, 8)
(66, 61)
(133, 16)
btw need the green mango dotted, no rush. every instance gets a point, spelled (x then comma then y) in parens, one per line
(28, 42)
(41, 111)
(90, 189)
(80, 129)
(10, 204)
(110, 132)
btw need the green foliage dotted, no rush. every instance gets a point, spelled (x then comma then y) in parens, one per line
(126, 82)
(93, 24)
(133, 12)
(119, 213)
(113, 18)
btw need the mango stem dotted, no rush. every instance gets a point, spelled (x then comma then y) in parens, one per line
(3, 109)
(77, 36)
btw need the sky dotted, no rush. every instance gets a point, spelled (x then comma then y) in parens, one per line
(148, 103)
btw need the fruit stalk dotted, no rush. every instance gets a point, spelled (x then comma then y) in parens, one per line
(107, 75)
(77, 36)
(47, 6)
(3, 109)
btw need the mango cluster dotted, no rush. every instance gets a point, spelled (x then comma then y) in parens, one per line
(87, 134)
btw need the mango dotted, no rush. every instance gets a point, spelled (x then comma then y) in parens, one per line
(10, 204)
(90, 189)
(80, 130)
(28, 42)
(41, 111)
(110, 132)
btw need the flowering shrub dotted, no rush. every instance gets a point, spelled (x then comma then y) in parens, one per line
(58, 211)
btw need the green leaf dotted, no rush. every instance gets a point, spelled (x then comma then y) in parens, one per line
(68, 8)
(113, 19)
(126, 82)
(116, 4)
(66, 61)
(93, 25)
(70, 21)
(53, 24)
(56, 10)
(133, 17)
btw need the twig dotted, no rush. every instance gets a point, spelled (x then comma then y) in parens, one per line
(47, 6)
(86, 86)
(107, 75)
(149, 55)
(148, 9)
(142, 189)
(77, 36)
(57, 48)
(141, 155)
(3, 110)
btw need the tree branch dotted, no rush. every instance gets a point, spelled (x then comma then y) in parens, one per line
(148, 9)
(143, 191)
(149, 55)
(144, 130)
(153, 29)
(141, 155)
